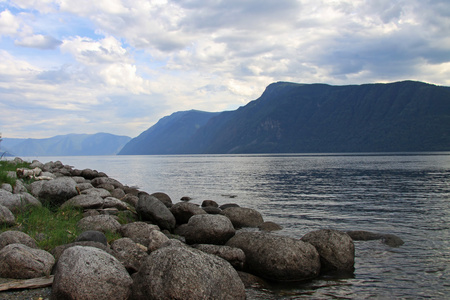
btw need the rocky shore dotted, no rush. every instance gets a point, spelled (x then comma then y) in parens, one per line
(166, 250)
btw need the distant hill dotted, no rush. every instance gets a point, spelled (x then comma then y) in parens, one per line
(66, 145)
(300, 118)
(169, 134)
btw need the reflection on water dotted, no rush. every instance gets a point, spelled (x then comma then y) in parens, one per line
(404, 194)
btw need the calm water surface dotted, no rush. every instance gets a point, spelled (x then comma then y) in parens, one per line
(403, 194)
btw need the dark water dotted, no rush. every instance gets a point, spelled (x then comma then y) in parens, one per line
(403, 194)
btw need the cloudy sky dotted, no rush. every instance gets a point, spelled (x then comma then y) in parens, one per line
(118, 66)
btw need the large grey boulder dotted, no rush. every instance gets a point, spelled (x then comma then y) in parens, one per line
(7, 187)
(17, 202)
(84, 202)
(6, 217)
(139, 232)
(59, 250)
(183, 211)
(36, 187)
(101, 223)
(98, 181)
(209, 229)
(129, 253)
(164, 198)
(336, 250)
(92, 236)
(22, 262)
(96, 192)
(16, 237)
(156, 240)
(243, 217)
(235, 256)
(175, 272)
(277, 258)
(90, 273)
(58, 191)
(153, 210)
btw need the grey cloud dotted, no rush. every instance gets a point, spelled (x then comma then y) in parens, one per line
(39, 41)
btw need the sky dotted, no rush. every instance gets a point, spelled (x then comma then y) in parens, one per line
(118, 66)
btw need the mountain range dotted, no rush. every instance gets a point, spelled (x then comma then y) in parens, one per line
(66, 145)
(300, 118)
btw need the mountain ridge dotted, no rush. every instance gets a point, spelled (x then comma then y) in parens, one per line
(298, 118)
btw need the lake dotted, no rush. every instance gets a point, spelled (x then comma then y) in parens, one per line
(406, 194)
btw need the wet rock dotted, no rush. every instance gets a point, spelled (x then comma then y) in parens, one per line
(209, 229)
(6, 217)
(277, 258)
(164, 198)
(93, 236)
(270, 226)
(184, 273)
(90, 273)
(209, 203)
(336, 250)
(185, 198)
(228, 205)
(388, 239)
(139, 232)
(28, 262)
(153, 210)
(58, 191)
(89, 174)
(252, 281)
(183, 211)
(101, 223)
(129, 254)
(16, 237)
(243, 217)
(235, 256)
(392, 240)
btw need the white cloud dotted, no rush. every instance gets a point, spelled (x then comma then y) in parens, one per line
(39, 41)
(9, 24)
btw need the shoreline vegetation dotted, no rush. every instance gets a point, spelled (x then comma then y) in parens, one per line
(84, 235)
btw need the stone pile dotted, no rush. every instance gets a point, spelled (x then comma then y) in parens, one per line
(167, 251)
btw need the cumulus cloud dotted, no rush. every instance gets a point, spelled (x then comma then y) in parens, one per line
(138, 60)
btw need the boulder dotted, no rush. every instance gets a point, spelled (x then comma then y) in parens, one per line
(156, 240)
(93, 236)
(176, 272)
(228, 205)
(277, 258)
(19, 187)
(59, 190)
(164, 198)
(22, 262)
(101, 223)
(149, 208)
(131, 199)
(336, 250)
(16, 237)
(129, 253)
(17, 202)
(96, 192)
(235, 256)
(90, 273)
(139, 232)
(6, 217)
(209, 203)
(243, 217)
(111, 202)
(389, 239)
(84, 186)
(183, 211)
(106, 180)
(89, 174)
(209, 229)
(212, 210)
(59, 250)
(36, 187)
(118, 193)
(84, 202)
(269, 226)
(7, 187)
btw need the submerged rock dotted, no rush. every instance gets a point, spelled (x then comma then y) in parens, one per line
(277, 258)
